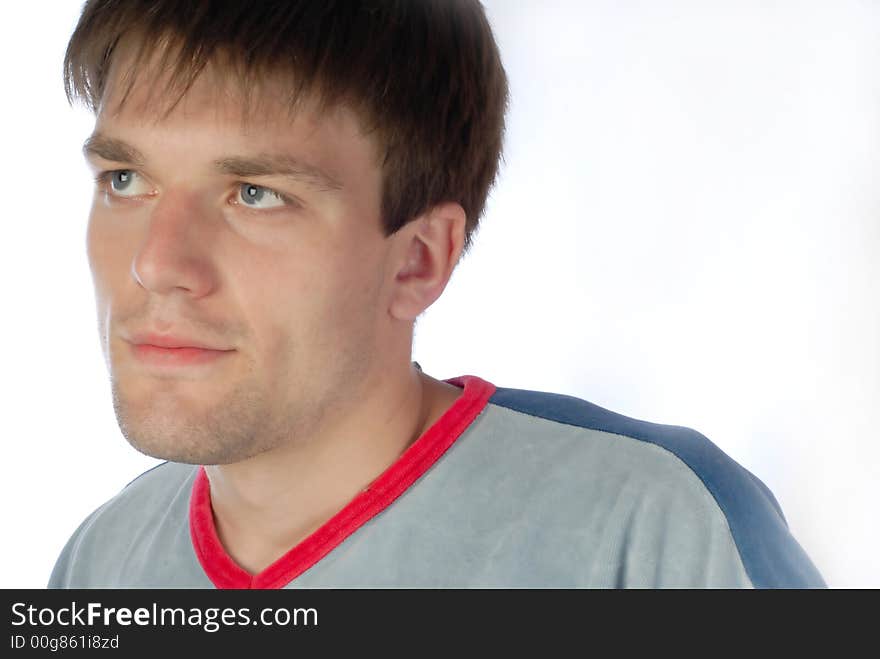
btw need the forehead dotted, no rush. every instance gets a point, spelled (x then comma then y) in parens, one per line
(220, 105)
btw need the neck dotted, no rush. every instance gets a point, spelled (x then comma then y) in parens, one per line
(267, 504)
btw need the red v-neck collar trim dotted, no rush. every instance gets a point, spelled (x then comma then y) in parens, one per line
(393, 482)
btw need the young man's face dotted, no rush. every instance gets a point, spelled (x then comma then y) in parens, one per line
(284, 272)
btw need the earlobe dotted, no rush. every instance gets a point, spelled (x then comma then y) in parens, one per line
(433, 245)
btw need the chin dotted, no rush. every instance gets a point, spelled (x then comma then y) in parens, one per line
(185, 452)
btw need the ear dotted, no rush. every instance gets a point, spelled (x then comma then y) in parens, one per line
(430, 248)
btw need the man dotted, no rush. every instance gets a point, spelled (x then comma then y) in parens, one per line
(281, 190)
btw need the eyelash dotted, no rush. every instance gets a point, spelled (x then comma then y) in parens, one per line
(102, 179)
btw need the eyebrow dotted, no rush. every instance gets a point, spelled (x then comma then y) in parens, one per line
(277, 165)
(265, 164)
(112, 150)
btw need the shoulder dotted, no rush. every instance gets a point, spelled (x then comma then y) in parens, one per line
(676, 479)
(154, 489)
(120, 523)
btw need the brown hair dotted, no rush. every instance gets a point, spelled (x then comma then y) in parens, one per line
(426, 75)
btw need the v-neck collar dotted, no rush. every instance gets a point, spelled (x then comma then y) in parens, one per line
(393, 482)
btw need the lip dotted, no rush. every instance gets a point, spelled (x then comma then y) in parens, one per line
(173, 351)
(186, 356)
(171, 341)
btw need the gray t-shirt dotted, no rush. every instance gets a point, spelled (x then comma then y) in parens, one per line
(509, 488)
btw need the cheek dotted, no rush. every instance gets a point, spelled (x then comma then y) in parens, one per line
(314, 299)
(100, 253)
(108, 251)
(351, 288)
(100, 256)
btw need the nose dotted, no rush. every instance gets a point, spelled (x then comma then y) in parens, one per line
(175, 253)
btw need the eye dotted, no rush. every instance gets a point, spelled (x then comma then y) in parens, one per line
(123, 183)
(255, 196)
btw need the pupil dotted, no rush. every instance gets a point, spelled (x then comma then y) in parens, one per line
(121, 179)
(253, 193)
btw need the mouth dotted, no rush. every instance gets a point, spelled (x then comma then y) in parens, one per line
(176, 357)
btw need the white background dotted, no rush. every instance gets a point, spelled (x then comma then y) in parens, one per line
(685, 231)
